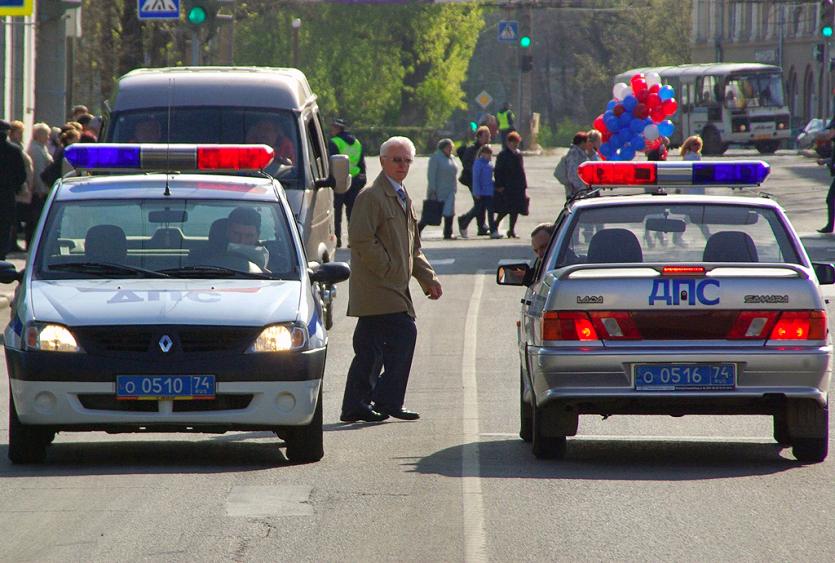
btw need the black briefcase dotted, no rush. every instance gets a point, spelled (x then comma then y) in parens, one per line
(432, 211)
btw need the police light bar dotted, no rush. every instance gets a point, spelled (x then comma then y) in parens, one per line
(713, 173)
(113, 156)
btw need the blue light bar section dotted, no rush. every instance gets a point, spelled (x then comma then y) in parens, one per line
(747, 173)
(91, 156)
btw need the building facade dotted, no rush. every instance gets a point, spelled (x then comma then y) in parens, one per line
(17, 57)
(785, 33)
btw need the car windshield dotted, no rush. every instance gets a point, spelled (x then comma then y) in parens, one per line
(674, 233)
(215, 125)
(182, 238)
(754, 90)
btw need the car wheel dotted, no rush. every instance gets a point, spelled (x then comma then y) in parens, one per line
(546, 447)
(767, 147)
(525, 412)
(304, 443)
(812, 443)
(27, 444)
(781, 429)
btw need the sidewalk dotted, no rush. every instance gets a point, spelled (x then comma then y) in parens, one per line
(7, 290)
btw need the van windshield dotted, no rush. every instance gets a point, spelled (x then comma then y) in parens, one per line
(215, 125)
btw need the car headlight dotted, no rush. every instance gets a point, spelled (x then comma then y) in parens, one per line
(280, 338)
(48, 337)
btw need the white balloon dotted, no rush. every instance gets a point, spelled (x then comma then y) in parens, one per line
(628, 91)
(652, 79)
(617, 91)
(651, 132)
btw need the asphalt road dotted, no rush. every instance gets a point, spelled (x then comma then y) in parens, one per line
(457, 484)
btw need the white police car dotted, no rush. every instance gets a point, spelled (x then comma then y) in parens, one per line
(674, 304)
(167, 302)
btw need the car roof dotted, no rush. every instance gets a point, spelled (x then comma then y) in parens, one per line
(152, 186)
(260, 87)
(693, 199)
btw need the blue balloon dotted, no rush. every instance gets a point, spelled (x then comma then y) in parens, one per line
(629, 103)
(666, 128)
(625, 135)
(626, 153)
(612, 124)
(625, 119)
(637, 125)
(606, 150)
(637, 143)
(609, 114)
(615, 143)
(666, 92)
(611, 105)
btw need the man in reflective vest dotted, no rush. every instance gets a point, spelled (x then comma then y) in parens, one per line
(342, 142)
(505, 118)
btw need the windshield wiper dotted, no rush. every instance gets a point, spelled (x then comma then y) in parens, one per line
(206, 271)
(107, 269)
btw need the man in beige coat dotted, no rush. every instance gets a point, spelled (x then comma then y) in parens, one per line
(385, 255)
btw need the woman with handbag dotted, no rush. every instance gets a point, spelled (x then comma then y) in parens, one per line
(511, 196)
(441, 187)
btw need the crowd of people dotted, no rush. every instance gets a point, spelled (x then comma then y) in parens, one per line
(31, 166)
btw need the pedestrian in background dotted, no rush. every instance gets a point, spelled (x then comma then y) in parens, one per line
(89, 131)
(505, 118)
(343, 142)
(511, 184)
(78, 111)
(691, 148)
(24, 194)
(54, 140)
(578, 153)
(13, 167)
(385, 255)
(482, 137)
(483, 191)
(41, 159)
(595, 141)
(441, 185)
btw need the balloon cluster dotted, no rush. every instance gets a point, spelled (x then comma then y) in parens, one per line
(636, 119)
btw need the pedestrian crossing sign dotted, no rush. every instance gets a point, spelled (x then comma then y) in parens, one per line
(158, 9)
(15, 8)
(508, 31)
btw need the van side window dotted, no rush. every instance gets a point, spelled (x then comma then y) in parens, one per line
(316, 149)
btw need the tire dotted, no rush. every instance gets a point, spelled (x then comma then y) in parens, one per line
(27, 444)
(812, 416)
(304, 443)
(781, 429)
(525, 412)
(546, 447)
(712, 142)
(767, 147)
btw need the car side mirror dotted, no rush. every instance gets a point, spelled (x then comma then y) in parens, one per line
(825, 273)
(512, 273)
(329, 272)
(340, 172)
(8, 273)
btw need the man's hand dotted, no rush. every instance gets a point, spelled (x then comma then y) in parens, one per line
(434, 291)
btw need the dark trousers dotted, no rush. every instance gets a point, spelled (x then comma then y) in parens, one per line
(830, 206)
(447, 226)
(483, 206)
(380, 340)
(35, 210)
(513, 218)
(7, 222)
(345, 200)
(480, 219)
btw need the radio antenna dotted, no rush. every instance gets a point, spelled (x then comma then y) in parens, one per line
(168, 136)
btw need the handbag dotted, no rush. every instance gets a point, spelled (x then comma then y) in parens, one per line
(526, 206)
(432, 211)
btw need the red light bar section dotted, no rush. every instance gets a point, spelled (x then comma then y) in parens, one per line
(683, 271)
(246, 157)
(618, 173)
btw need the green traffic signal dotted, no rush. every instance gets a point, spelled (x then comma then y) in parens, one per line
(525, 41)
(826, 31)
(196, 15)
(473, 126)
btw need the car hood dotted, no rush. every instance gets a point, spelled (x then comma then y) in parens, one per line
(197, 302)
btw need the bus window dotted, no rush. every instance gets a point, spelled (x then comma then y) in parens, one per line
(708, 91)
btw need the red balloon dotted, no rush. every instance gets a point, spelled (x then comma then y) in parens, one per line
(606, 135)
(654, 144)
(669, 106)
(639, 86)
(642, 95)
(619, 109)
(641, 111)
(598, 123)
(637, 77)
(657, 115)
(653, 101)
(654, 89)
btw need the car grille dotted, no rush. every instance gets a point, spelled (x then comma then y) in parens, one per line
(186, 339)
(110, 403)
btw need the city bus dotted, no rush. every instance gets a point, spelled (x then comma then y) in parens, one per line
(727, 104)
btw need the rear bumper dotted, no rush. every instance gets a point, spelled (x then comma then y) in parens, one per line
(602, 381)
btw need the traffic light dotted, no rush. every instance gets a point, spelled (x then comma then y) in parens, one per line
(819, 52)
(827, 18)
(527, 63)
(473, 126)
(525, 41)
(201, 14)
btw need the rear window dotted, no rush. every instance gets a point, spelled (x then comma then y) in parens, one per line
(278, 129)
(675, 234)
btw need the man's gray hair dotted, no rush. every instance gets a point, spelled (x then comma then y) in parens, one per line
(544, 227)
(41, 127)
(403, 141)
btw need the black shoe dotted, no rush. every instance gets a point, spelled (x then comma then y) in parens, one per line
(825, 230)
(401, 413)
(338, 243)
(368, 415)
(483, 232)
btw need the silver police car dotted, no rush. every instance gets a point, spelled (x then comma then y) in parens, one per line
(659, 303)
(167, 302)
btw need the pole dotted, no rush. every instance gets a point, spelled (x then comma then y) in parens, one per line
(526, 96)
(195, 47)
(296, 24)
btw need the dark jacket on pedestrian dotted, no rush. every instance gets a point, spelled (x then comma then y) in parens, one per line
(467, 161)
(511, 183)
(12, 170)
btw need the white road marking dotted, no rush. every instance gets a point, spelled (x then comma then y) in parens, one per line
(443, 261)
(645, 438)
(277, 500)
(475, 539)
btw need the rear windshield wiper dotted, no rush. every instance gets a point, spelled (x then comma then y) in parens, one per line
(106, 269)
(205, 271)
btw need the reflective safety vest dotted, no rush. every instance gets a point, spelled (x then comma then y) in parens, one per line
(354, 153)
(504, 119)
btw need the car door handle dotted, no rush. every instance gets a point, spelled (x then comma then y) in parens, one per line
(525, 301)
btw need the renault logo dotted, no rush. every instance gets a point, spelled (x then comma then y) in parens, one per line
(165, 343)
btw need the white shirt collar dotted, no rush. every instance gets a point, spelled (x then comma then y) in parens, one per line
(397, 186)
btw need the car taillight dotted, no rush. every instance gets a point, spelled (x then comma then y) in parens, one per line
(800, 325)
(752, 325)
(567, 325)
(615, 325)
